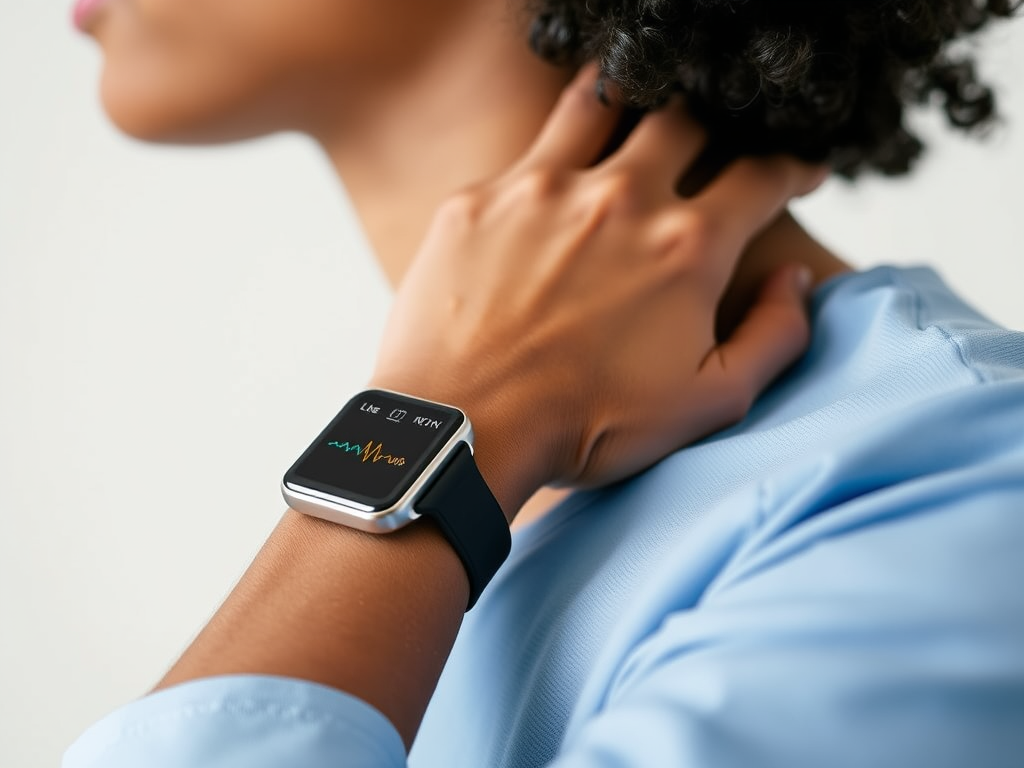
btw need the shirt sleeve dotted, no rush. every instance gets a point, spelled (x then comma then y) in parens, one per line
(241, 721)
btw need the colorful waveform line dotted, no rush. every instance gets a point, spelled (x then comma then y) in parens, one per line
(369, 452)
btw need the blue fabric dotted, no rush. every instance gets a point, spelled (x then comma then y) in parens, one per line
(837, 581)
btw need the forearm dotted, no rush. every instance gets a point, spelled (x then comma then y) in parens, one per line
(372, 615)
(375, 616)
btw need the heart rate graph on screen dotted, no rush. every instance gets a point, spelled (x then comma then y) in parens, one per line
(370, 452)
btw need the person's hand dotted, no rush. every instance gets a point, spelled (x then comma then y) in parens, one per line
(569, 308)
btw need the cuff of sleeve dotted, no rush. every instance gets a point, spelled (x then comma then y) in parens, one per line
(241, 720)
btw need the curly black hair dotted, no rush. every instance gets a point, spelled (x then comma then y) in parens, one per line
(826, 80)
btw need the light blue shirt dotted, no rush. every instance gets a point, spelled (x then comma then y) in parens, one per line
(836, 581)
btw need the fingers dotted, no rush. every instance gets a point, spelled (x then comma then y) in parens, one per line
(577, 129)
(772, 336)
(663, 146)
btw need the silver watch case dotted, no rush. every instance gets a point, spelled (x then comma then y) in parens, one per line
(355, 515)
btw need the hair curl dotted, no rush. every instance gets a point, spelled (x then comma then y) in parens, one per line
(826, 80)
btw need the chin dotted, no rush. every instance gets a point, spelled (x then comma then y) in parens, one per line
(139, 122)
(178, 113)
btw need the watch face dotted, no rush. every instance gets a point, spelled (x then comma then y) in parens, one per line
(375, 448)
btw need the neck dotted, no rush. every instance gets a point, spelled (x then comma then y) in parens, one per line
(465, 112)
(462, 116)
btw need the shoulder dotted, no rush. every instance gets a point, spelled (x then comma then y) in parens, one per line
(869, 613)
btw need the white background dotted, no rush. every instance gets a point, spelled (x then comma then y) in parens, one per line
(176, 324)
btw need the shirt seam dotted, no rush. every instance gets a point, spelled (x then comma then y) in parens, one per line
(918, 300)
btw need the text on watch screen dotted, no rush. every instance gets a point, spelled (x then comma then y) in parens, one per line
(375, 448)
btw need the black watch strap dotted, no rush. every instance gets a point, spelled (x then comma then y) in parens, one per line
(469, 516)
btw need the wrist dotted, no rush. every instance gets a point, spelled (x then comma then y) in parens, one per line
(510, 457)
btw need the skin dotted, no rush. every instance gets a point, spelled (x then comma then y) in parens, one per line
(412, 103)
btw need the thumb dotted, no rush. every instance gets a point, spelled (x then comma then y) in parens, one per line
(773, 334)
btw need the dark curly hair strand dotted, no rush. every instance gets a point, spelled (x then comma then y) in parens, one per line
(826, 80)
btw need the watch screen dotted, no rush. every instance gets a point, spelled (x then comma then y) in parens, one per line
(375, 448)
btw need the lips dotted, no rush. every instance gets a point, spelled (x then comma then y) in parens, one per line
(85, 11)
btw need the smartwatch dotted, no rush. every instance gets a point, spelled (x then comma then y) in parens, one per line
(388, 459)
